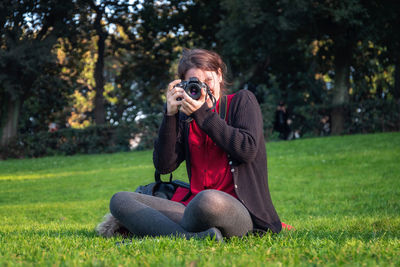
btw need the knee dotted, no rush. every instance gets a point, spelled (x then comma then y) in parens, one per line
(117, 203)
(213, 197)
(210, 203)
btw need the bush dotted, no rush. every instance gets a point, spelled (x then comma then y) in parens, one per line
(91, 140)
(377, 115)
(363, 117)
(371, 116)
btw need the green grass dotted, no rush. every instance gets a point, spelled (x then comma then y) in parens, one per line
(342, 194)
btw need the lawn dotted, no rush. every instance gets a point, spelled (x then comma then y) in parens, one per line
(342, 194)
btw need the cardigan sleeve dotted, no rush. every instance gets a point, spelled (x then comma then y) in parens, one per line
(168, 147)
(241, 138)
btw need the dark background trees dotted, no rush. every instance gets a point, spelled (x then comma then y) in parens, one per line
(87, 63)
(29, 73)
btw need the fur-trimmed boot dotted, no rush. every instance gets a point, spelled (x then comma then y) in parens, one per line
(110, 227)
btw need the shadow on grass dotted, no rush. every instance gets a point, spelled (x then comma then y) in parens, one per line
(53, 233)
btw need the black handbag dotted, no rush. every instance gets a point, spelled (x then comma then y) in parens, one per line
(162, 189)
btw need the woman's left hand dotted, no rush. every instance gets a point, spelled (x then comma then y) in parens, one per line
(189, 105)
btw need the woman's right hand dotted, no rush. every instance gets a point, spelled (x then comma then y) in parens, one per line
(174, 97)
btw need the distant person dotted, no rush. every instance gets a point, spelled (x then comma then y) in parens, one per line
(282, 121)
(296, 134)
(53, 127)
(225, 159)
(326, 126)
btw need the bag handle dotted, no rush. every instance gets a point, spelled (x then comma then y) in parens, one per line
(157, 177)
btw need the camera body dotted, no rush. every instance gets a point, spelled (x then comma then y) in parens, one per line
(193, 87)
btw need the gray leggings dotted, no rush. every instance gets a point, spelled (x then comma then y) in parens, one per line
(145, 215)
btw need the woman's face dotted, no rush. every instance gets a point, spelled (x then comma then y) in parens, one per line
(211, 78)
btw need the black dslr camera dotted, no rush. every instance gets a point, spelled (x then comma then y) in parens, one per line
(193, 87)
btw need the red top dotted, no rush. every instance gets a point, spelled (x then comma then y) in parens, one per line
(209, 164)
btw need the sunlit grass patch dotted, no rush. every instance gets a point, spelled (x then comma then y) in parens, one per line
(340, 193)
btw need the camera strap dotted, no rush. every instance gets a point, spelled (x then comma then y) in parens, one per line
(223, 107)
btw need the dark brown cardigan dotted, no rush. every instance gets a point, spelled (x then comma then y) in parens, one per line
(242, 139)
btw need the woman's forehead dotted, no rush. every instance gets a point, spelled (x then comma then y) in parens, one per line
(201, 74)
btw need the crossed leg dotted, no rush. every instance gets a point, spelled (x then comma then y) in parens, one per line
(145, 215)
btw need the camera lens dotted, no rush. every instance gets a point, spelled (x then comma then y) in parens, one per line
(194, 91)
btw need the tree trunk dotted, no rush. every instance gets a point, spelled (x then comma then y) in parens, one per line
(99, 110)
(396, 89)
(9, 119)
(341, 88)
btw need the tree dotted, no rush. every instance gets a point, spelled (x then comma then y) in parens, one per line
(344, 23)
(388, 35)
(29, 31)
(264, 44)
(267, 39)
(94, 20)
(137, 36)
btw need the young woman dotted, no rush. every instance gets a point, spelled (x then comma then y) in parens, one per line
(225, 159)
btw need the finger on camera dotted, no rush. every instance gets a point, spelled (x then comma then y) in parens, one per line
(172, 84)
(203, 95)
(177, 91)
(178, 96)
(188, 99)
(173, 94)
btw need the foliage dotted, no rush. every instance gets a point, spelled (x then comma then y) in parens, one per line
(298, 44)
(139, 46)
(31, 87)
(371, 116)
(116, 58)
(338, 192)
